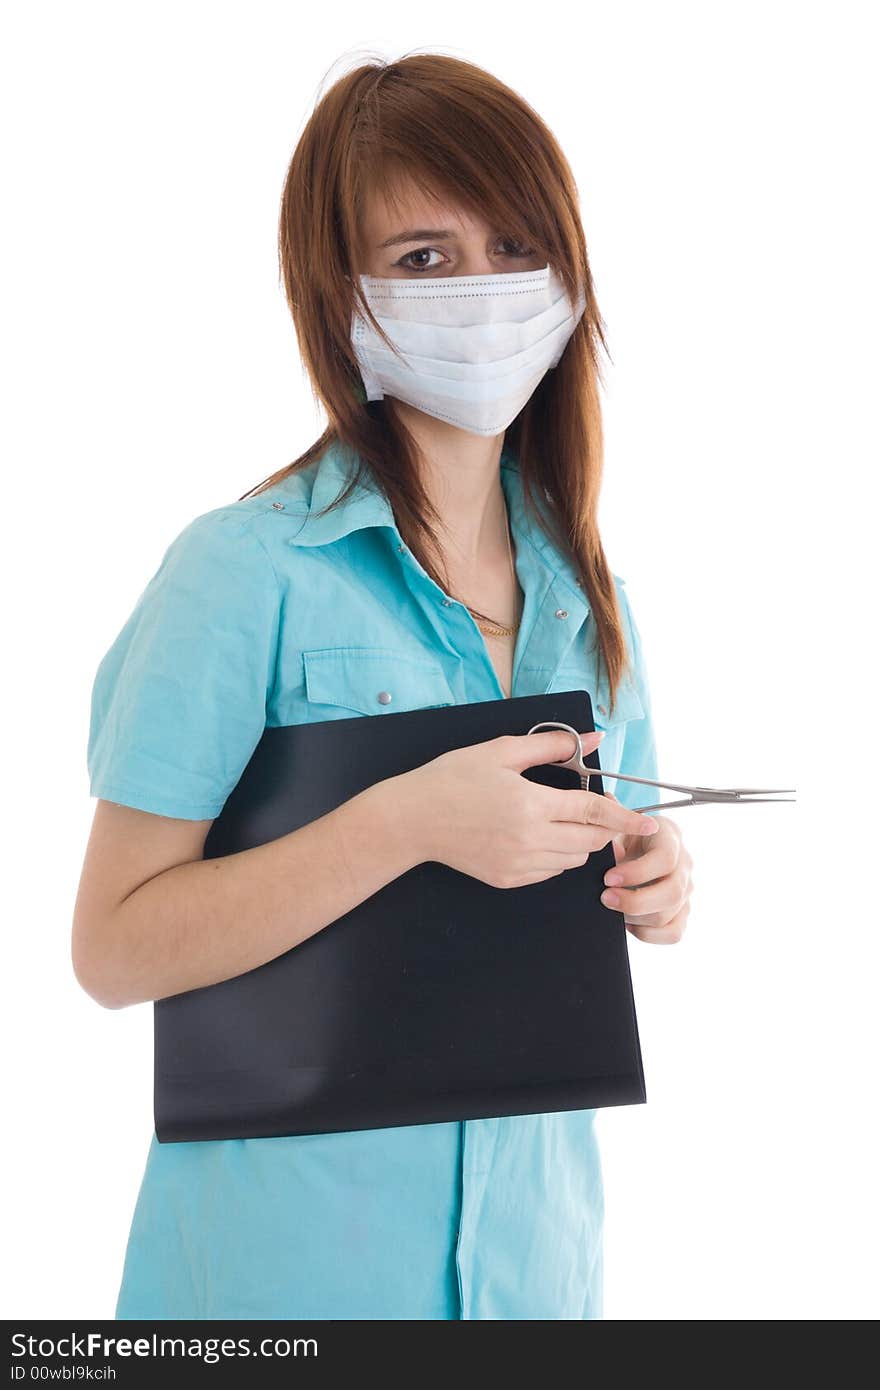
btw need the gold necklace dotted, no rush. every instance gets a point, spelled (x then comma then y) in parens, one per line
(488, 626)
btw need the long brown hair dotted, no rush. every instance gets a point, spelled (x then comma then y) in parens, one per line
(459, 133)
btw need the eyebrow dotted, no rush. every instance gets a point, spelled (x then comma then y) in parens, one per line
(419, 234)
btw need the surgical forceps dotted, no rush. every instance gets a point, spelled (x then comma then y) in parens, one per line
(697, 796)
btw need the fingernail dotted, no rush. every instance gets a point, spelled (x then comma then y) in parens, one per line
(613, 878)
(610, 899)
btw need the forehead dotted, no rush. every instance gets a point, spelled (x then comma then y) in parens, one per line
(407, 205)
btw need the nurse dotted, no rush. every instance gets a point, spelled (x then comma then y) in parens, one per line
(437, 544)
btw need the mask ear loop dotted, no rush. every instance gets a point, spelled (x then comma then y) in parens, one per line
(365, 318)
(371, 386)
(577, 315)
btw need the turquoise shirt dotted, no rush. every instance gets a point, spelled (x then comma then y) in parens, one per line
(264, 612)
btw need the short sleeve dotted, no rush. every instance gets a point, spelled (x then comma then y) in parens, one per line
(179, 700)
(639, 755)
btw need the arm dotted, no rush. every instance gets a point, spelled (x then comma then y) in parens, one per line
(152, 918)
(179, 702)
(651, 884)
(639, 754)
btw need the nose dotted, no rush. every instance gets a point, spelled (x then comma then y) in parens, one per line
(477, 263)
(475, 256)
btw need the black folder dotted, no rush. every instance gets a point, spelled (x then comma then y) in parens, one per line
(438, 998)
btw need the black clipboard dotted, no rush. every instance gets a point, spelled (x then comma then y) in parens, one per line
(438, 998)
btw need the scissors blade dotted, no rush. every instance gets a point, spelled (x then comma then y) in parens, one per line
(721, 794)
(714, 801)
(651, 782)
(664, 805)
(756, 791)
(746, 798)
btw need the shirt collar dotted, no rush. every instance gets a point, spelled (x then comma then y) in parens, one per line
(367, 505)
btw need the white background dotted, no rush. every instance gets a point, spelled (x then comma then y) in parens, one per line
(723, 159)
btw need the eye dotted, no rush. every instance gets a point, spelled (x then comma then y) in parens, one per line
(407, 263)
(516, 248)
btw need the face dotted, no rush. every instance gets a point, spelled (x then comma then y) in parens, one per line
(423, 238)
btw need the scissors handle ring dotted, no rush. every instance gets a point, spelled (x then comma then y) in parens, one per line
(576, 761)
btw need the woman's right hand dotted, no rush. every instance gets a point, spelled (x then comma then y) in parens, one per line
(471, 809)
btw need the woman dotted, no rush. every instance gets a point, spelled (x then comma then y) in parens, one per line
(437, 544)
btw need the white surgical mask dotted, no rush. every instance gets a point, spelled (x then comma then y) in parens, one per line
(473, 347)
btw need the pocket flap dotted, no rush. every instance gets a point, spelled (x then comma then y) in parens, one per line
(628, 704)
(374, 680)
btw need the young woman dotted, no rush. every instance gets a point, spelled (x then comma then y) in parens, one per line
(438, 544)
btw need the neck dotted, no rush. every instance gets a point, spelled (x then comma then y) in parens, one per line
(461, 475)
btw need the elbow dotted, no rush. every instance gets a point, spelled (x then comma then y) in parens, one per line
(89, 964)
(97, 987)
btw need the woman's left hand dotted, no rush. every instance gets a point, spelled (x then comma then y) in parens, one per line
(652, 883)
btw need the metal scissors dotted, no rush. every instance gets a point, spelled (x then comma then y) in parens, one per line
(697, 796)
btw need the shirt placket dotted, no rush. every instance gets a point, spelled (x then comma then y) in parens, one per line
(554, 610)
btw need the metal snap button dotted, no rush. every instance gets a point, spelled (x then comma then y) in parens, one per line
(447, 603)
(562, 612)
(384, 697)
(279, 506)
(401, 550)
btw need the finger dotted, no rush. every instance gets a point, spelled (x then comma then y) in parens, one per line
(666, 935)
(665, 895)
(619, 848)
(548, 862)
(559, 860)
(590, 808)
(551, 746)
(568, 837)
(618, 841)
(654, 859)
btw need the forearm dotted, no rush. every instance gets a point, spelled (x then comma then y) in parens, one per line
(201, 922)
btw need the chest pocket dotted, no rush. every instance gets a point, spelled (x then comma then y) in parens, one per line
(627, 706)
(372, 680)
